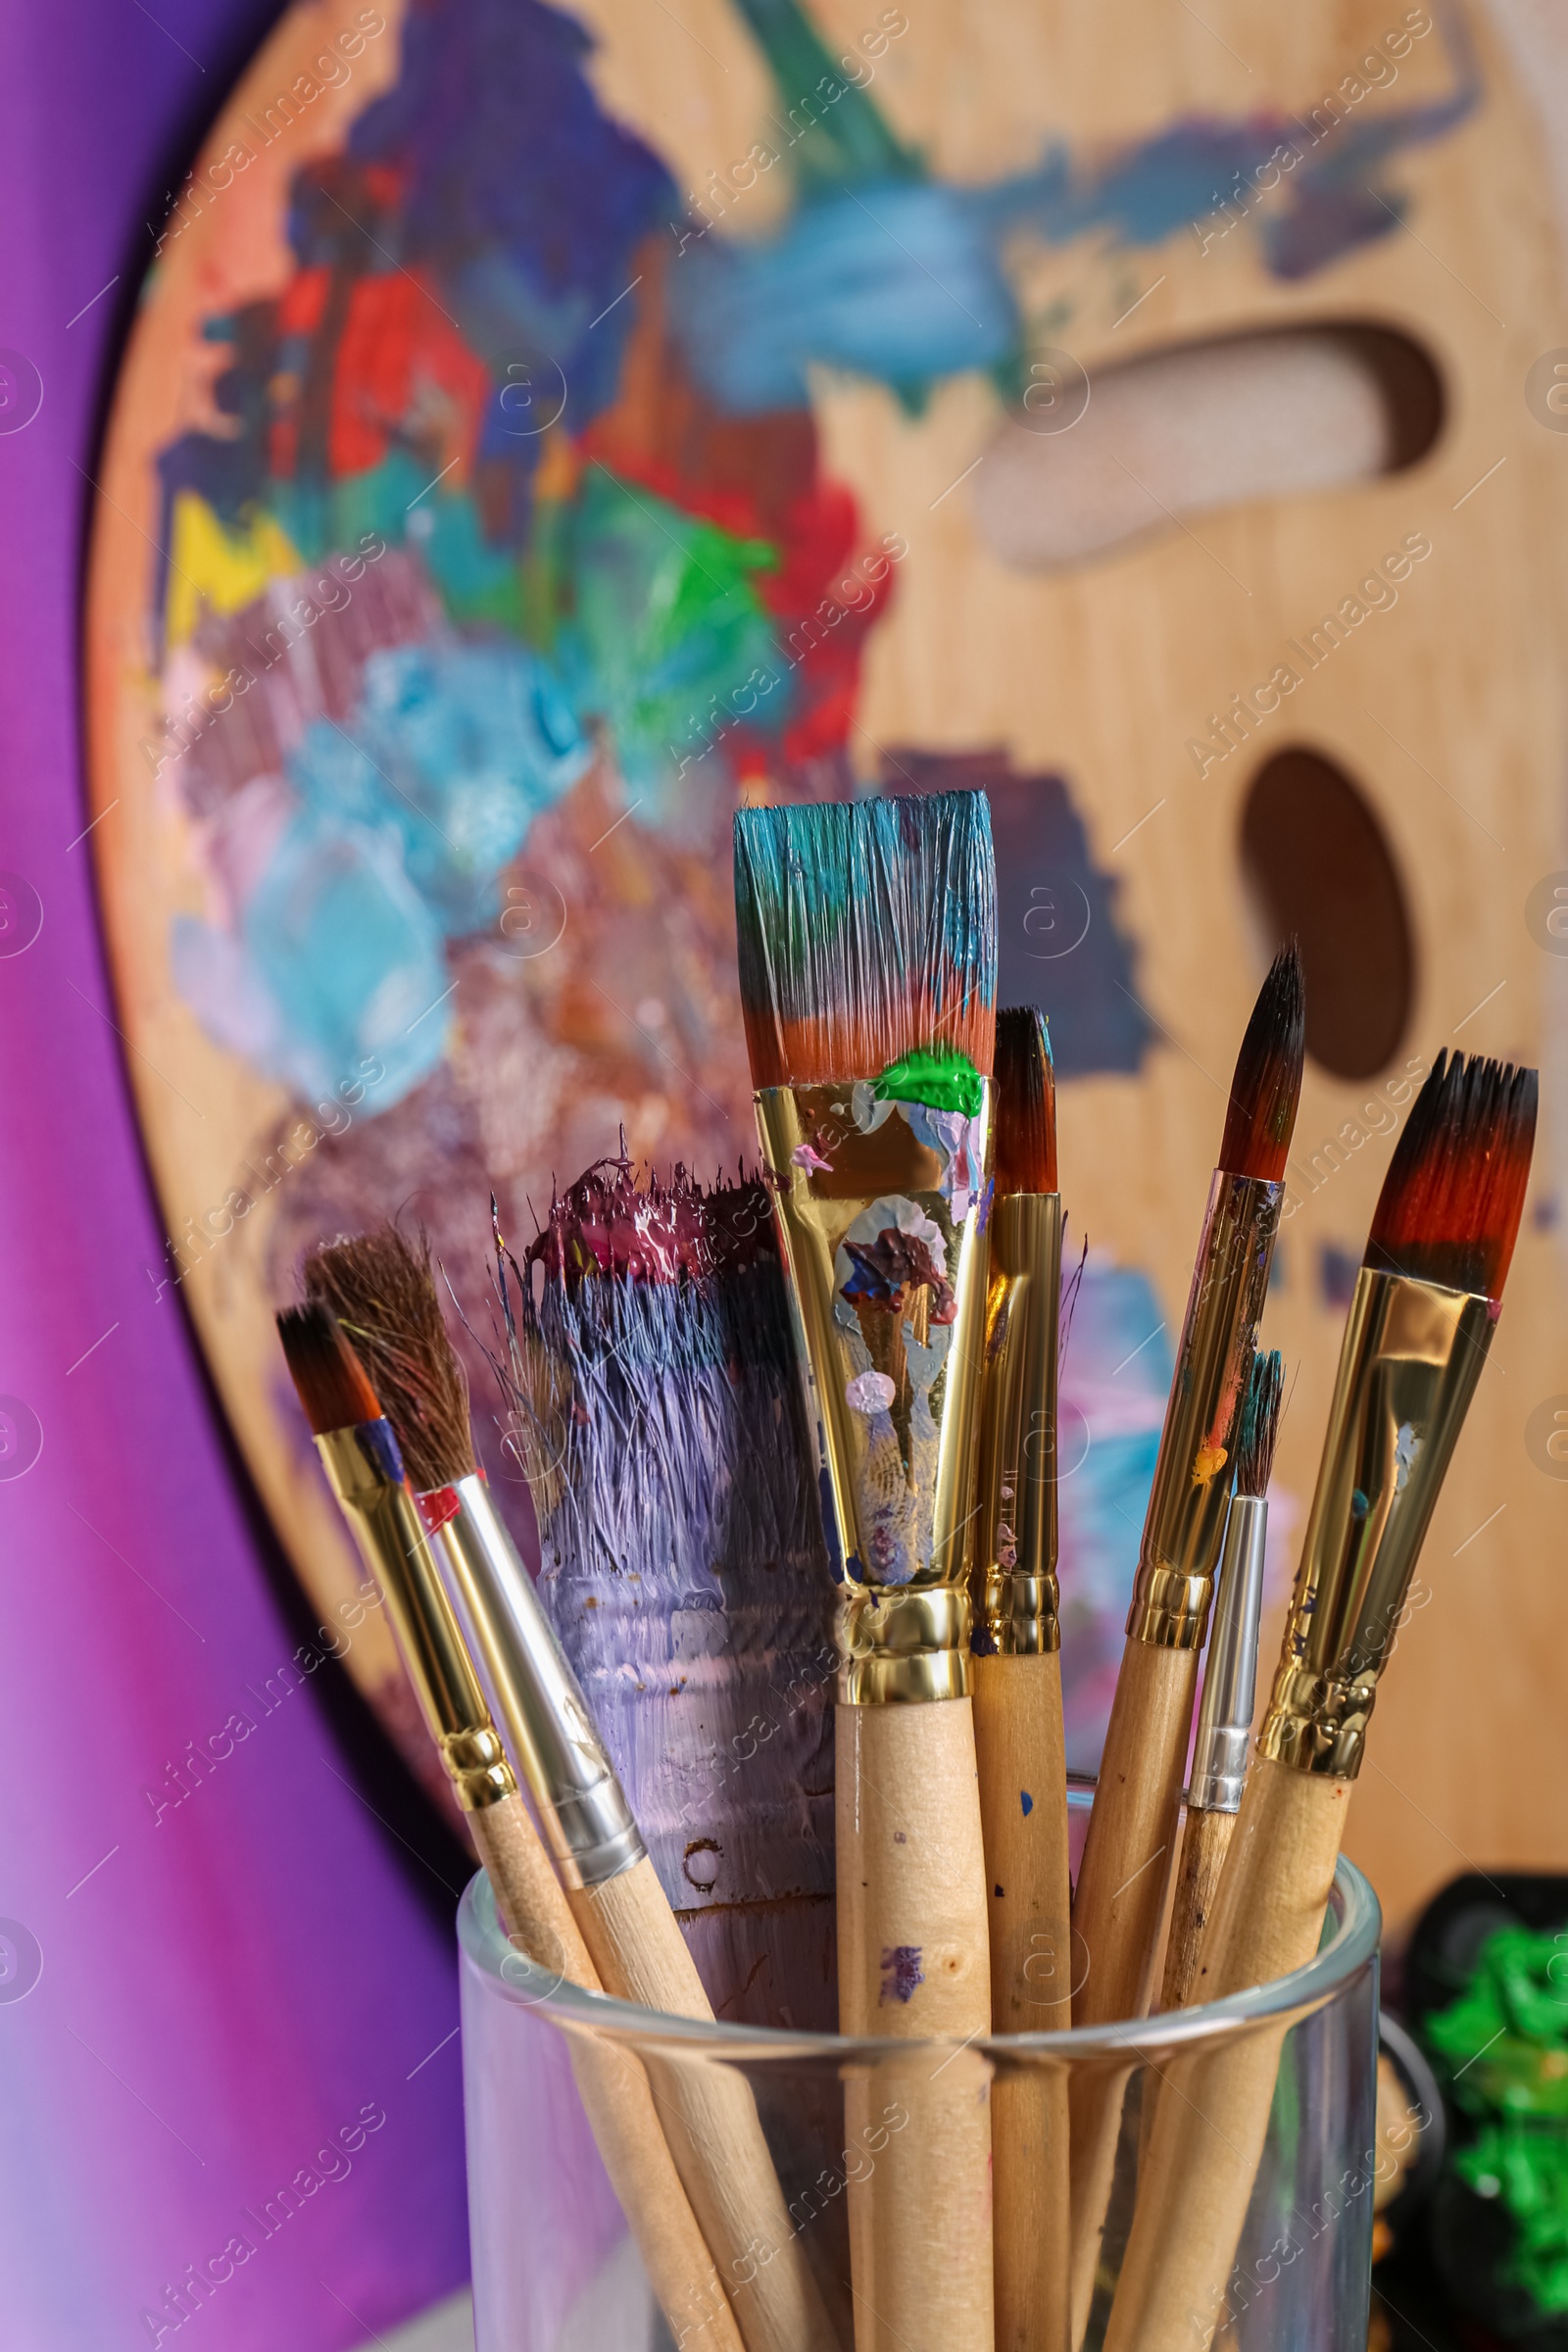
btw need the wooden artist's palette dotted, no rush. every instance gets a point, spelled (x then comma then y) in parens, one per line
(541, 428)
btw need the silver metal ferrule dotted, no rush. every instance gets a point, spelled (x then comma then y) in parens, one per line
(1230, 1677)
(533, 1692)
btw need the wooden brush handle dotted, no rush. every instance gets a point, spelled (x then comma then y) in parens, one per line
(913, 1961)
(711, 2119)
(1023, 1811)
(1205, 1841)
(1116, 1913)
(1206, 2146)
(613, 2087)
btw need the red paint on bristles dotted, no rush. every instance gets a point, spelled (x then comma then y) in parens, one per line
(1260, 1118)
(1026, 1102)
(1450, 1205)
(328, 1376)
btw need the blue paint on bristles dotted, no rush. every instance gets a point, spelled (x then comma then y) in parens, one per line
(867, 931)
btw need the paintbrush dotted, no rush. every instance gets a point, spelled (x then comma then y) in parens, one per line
(655, 1402)
(1018, 1690)
(1421, 1321)
(1120, 1895)
(1218, 1767)
(383, 1288)
(867, 951)
(360, 1453)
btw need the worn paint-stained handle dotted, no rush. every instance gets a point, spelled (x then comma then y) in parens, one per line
(613, 2087)
(1206, 1843)
(913, 1963)
(711, 2120)
(1208, 2141)
(1023, 1809)
(1117, 1914)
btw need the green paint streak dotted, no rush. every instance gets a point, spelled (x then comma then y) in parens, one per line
(841, 138)
(937, 1076)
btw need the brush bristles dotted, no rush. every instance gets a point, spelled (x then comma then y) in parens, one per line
(867, 930)
(1449, 1208)
(1267, 1086)
(328, 1376)
(382, 1291)
(1026, 1102)
(1260, 1423)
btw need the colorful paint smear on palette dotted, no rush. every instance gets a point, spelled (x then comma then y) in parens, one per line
(507, 564)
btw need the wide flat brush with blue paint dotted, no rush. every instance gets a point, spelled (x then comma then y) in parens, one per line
(382, 1289)
(1017, 1692)
(1120, 1895)
(868, 968)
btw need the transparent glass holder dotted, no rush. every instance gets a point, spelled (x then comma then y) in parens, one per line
(555, 2265)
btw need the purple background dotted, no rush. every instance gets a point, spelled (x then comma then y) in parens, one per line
(237, 1980)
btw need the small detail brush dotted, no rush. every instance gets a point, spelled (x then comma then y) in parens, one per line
(1230, 1681)
(384, 1291)
(1018, 1690)
(1120, 1895)
(868, 968)
(360, 1453)
(1421, 1321)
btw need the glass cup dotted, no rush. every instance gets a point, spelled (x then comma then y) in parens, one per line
(556, 2266)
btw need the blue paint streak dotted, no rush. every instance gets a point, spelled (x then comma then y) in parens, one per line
(1027, 1802)
(904, 283)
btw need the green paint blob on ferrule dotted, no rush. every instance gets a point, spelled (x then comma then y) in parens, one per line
(939, 1076)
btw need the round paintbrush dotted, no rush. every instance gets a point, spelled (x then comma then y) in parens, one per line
(1230, 1678)
(359, 1453)
(1017, 1691)
(1421, 1321)
(1120, 1896)
(383, 1289)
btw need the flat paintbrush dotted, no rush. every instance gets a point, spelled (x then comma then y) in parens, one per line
(867, 969)
(360, 1453)
(1421, 1321)
(1120, 1895)
(1017, 1692)
(383, 1288)
(1230, 1682)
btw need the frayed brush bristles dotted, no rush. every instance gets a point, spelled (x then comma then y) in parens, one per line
(867, 930)
(1026, 1104)
(1449, 1208)
(1260, 1423)
(383, 1291)
(328, 1378)
(1267, 1085)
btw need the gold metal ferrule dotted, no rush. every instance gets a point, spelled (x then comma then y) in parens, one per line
(867, 1197)
(1016, 1592)
(385, 1520)
(1185, 1522)
(1412, 1357)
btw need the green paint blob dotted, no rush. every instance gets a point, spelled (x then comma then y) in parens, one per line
(1505, 2044)
(939, 1076)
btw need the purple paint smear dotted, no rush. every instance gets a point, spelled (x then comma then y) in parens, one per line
(901, 1971)
(225, 1987)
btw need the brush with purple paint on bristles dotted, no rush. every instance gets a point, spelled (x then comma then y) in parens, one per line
(360, 1453)
(868, 948)
(1420, 1324)
(1018, 1690)
(382, 1289)
(656, 1407)
(1120, 1895)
